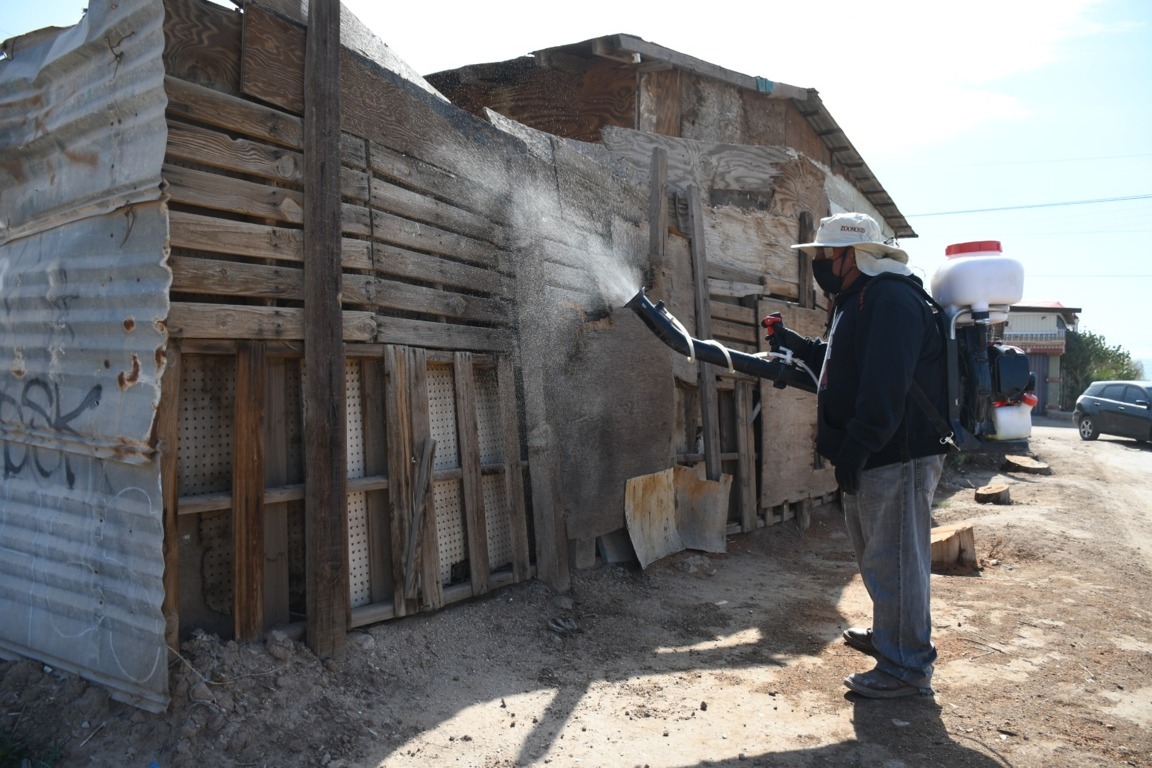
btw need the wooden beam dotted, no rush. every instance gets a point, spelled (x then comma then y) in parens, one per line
(705, 376)
(277, 588)
(372, 390)
(475, 517)
(428, 554)
(657, 204)
(325, 406)
(168, 437)
(746, 461)
(248, 493)
(513, 468)
(398, 417)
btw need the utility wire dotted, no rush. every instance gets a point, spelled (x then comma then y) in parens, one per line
(1034, 205)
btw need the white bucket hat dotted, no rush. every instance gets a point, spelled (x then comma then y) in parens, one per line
(860, 231)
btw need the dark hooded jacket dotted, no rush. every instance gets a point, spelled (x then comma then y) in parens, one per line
(882, 337)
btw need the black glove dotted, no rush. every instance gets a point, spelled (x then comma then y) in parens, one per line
(780, 336)
(849, 463)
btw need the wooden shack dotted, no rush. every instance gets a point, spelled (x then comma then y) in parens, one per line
(292, 341)
(751, 167)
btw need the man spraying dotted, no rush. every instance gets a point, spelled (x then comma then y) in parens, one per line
(887, 455)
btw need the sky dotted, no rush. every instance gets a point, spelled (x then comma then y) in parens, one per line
(1023, 121)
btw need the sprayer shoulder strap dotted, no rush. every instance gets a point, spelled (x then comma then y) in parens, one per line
(939, 423)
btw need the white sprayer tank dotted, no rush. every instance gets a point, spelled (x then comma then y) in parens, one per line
(978, 278)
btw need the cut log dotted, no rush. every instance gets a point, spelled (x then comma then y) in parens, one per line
(1025, 464)
(953, 549)
(996, 493)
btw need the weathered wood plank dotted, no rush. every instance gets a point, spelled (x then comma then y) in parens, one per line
(706, 376)
(707, 165)
(722, 329)
(424, 177)
(734, 313)
(375, 422)
(204, 105)
(222, 193)
(202, 43)
(746, 451)
(229, 278)
(468, 442)
(325, 412)
(276, 474)
(401, 297)
(421, 207)
(422, 333)
(513, 467)
(398, 418)
(248, 493)
(660, 102)
(401, 262)
(238, 238)
(431, 588)
(272, 71)
(196, 144)
(198, 320)
(413, 234)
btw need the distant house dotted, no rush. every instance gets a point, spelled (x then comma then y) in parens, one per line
(1039, 329)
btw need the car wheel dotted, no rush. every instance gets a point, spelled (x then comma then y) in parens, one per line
(1087, 428)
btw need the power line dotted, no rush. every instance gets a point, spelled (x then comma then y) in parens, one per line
(1034, 205)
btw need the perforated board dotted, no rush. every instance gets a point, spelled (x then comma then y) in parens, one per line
(451, 543)
(355, 433)
(207, 397)
(442, 416)
(488, 416)
(498, 522)
(359, 563)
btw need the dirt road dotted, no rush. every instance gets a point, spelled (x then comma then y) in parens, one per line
(1045, 657)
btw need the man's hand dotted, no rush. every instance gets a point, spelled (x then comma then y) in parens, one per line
(778, 335)
(849, 465)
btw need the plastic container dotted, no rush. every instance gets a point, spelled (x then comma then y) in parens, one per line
(979, 278)
(1012, 422)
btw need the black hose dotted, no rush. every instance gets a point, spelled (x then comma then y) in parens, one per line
(664, 325)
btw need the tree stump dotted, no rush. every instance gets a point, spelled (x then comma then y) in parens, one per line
(1025, 464)
(993, 493)
(953, 549)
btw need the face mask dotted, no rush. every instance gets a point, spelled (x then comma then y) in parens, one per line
(826, 278)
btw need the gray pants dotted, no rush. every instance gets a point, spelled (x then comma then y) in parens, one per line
(890, 524)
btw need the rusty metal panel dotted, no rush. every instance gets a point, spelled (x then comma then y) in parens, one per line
(82, 126)
(83, 298)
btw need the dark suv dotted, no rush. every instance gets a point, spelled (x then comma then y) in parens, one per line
(1118, 408)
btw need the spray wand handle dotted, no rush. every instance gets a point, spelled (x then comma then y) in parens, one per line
(770, 323)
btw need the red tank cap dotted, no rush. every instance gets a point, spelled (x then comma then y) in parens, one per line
(977, 246)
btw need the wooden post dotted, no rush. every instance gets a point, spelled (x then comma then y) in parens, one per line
(325, 411)
(276, 557)
(658, 205)
(746, 449)
(705, 375)
(248, 493)
(475, 516)
(168, 438)
(543, 469)
(513, 467)
(804, 263)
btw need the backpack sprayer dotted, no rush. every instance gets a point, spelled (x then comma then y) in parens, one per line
(990, 389)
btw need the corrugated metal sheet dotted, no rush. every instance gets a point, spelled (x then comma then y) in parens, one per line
(83, 294)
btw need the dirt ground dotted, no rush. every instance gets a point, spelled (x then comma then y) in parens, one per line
(700, 660)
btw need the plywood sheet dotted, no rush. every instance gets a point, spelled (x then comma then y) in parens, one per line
(676, 509)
